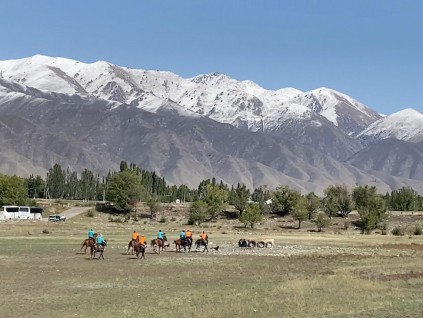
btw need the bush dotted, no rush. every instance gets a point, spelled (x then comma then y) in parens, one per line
(163, 219)
(173, 219)
(45, 231)
(398, 231)
(417, 230)
(346, 225)
(116, 219)
(90, 213)
(383, 228)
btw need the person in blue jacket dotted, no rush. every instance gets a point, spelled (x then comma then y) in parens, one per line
(160, 235)
(91, 234)
(100, 240)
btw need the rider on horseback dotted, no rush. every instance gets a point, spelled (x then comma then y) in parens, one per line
(204, 237)
(160, 235)
(143, 240)
(91, 234)
(100, 241)
(135, 236)
(182, 236)
(188, 235)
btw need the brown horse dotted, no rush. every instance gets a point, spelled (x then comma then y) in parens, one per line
(161, 245)
(201, 242)
(140, 249)
(98, 248)
(131, 245)
(179, 244)
(88, 243)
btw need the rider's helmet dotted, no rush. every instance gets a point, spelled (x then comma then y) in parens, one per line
(135, 231)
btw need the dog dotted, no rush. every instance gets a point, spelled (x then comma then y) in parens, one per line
(216, 248)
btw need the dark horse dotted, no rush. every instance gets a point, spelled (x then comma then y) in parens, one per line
(98, 248)
(140, 249)
(88, 243)
(201, 242)
(161, 245)
(183, 243)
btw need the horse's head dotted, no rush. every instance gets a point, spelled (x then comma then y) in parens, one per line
(164, 238)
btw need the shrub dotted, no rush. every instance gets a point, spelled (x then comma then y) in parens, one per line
(173, 219)
(417, 230)
(346, 225)
(383, 228)
(322, 221)
(45, 231)
(163, 219)
(398, 231)
(90, 213)
(116, 219)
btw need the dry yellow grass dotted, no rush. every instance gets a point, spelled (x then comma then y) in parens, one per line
(305, 275)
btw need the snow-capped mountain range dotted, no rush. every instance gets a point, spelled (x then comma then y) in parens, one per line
(323, 119)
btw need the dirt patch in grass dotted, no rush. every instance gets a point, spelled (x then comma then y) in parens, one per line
(412, 246)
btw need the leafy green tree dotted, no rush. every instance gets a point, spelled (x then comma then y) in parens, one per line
(216, 200)
(284, 199)
(337, 199)
(370, 206)
(322, 221)
(13, 190)
(404, 199)
(198, 212)
(124, 190)
(56, 179)
(312, 204)
(251, 215)
(261, 195)
(36, 187)
(300, 212)
(242, 195)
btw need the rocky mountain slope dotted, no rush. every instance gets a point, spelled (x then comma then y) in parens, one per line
(94, 115)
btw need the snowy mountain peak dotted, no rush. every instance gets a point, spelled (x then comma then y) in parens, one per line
(211, 78)
(405, 125)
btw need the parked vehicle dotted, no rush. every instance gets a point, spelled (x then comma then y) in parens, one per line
(57, 218)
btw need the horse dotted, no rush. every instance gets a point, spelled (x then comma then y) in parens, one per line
(140, 249)
(131, 245)
(160, 244)
(183, 243)
(98, 248)
(201, 242)
(88, 243)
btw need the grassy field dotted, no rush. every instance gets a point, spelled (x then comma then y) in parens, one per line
(307, 274)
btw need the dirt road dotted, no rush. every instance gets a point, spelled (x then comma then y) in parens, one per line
(72, 212)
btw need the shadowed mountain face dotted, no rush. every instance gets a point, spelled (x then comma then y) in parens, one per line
(38, 129)
(393, 157)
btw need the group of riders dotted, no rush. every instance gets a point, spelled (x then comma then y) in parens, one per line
(184, 236)
(98, 240)
(186, 239)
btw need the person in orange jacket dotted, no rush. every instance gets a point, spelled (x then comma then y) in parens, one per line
(143, 240)
(204, 237)
(135, 236)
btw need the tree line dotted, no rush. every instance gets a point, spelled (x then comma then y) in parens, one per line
(131, 184)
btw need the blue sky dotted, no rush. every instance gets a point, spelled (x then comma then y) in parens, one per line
(371, 50)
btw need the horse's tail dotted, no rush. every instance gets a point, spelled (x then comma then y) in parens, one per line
(84, 243)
